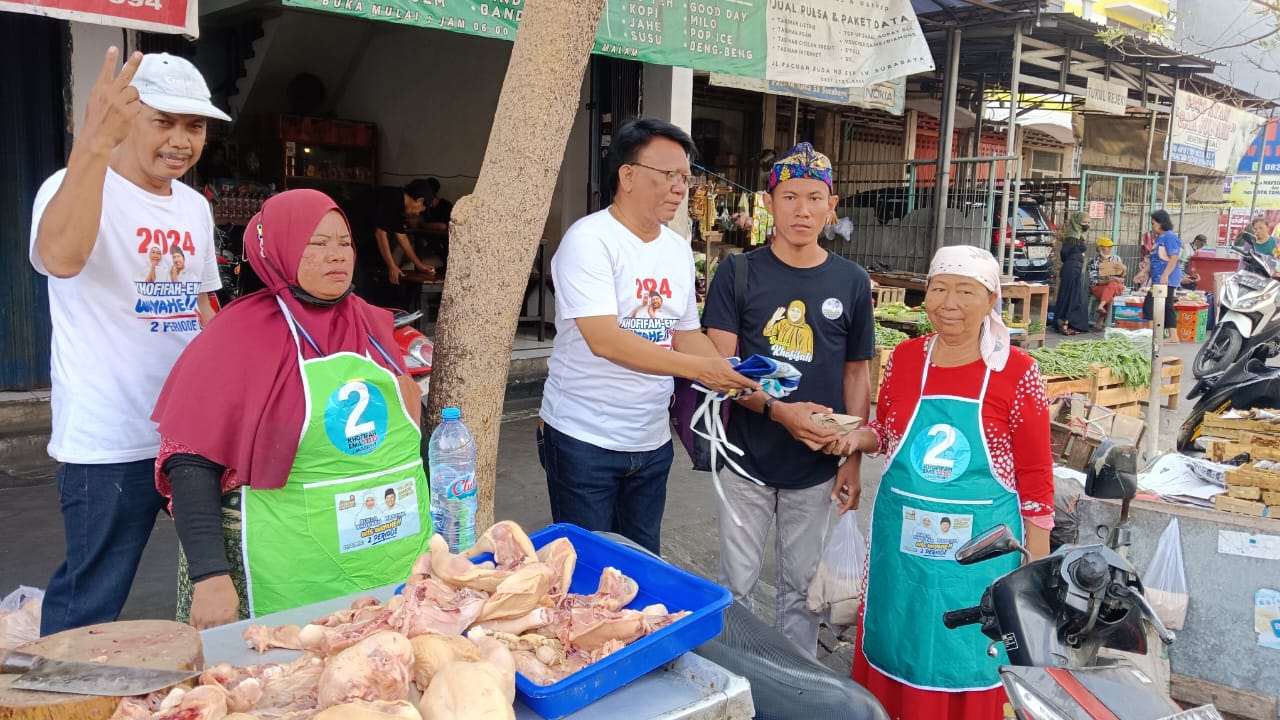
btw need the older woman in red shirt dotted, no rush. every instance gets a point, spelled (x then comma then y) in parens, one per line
(949, 410)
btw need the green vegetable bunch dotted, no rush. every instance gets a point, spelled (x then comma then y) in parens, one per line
(1072, 358)
(888, 337)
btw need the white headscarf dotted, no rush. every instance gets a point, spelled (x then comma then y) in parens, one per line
(979, 264)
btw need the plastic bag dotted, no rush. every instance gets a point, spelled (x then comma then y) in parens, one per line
(836, 588)
(1166, 579)
(20, 617)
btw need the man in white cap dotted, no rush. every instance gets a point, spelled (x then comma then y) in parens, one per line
(115, 335)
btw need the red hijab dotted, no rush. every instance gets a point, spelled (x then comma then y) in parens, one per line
(235, 396)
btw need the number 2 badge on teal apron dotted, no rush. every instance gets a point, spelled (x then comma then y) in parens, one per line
(355, 512)
(938, 490)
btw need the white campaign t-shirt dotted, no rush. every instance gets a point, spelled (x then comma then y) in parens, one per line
(602, 268)
(119, 325)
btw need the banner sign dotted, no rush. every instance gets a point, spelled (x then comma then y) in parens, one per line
(1209, 134)
(1265, 148)
(844, 43)
(888, 96)
(850, 43)
(1107, 97)
(159, 16)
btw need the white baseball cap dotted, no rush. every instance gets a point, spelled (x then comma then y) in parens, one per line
(172, 84)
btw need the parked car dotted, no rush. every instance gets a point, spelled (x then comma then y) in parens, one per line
(1032, 241)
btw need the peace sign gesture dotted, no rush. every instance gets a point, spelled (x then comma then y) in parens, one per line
(113, 103)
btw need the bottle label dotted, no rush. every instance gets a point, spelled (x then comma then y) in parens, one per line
(462, 487)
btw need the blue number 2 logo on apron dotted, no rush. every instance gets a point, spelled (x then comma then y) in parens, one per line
(940, 453)
(355, 418)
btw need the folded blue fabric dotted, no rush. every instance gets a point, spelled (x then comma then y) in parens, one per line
(776, 378)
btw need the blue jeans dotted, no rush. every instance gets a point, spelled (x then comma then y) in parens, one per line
(108, 513)
(599, 489)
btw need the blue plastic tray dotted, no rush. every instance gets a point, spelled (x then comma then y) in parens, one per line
(660, 582)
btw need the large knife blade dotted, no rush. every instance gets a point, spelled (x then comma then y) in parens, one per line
(86, 678)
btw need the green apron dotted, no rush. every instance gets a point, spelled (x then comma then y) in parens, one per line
(355, 511)
(937, 491)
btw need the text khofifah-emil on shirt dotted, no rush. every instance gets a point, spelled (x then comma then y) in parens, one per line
(602, 268)
(120, 324)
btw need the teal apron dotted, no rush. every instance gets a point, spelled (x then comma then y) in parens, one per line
(355, 511)
(937, 491)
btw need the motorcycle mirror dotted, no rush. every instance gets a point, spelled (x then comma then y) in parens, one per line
(1113, 472)
(995, 542)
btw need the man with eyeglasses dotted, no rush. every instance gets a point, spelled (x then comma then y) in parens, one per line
(604, 438)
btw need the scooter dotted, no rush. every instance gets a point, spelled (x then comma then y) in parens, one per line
(1250, 312)
(1054, 614)
(415, 348)
(1248, 383)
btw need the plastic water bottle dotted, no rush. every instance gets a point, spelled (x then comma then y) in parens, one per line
(452, 457)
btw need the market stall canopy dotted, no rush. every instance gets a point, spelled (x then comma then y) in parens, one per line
(177, 17)
(823, 44)
(1054, 123)
(932, 106)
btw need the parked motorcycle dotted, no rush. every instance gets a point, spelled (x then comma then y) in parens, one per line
(1054, 614)
(1249, 316)
(1248, 383)
(229, 266)
(415, 348)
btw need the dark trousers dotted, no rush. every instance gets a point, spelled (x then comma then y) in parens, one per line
(108, 513)
(599, 489)
(1170, 315)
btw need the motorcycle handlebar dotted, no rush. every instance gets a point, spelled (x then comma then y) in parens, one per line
(957, 618)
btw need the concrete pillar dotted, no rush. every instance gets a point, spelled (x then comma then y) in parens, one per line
(667, 93)
(89, 45)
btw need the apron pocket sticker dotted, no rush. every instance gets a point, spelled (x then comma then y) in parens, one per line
(940, 454)
(373, 515)
(355, 418)
(934, 535)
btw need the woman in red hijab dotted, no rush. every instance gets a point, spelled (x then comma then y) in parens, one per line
(286, 408)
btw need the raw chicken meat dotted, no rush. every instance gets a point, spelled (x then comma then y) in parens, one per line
(432, 606)
(591, 627)
(460, 572)
(270, 690)
(508, 543)
(496, 659)
(331, 639)
(244, 689)
(204, 702)
(540, 616)
(379, 667)
(432, 652)
(262, 638)
(614, 592)
(241, 716)
(466, 691)
(520, 593)
(563, 558)
(377, 710)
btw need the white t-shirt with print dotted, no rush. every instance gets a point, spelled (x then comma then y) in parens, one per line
(120, 324)
(602, 268)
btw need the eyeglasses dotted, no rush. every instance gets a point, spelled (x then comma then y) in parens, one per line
(675, 177)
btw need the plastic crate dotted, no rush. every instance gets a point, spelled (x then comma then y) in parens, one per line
(660, 582)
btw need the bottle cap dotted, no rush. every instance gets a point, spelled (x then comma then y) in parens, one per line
(451, 413)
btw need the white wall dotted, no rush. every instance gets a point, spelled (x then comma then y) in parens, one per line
(89, 45)
(667, 94)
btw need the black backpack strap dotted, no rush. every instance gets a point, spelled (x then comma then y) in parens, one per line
(739, 261)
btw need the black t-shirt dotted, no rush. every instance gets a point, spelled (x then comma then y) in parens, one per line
(825, 322)
(376, 208)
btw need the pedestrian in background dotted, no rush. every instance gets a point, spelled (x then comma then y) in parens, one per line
(1165, 269)
(1071, 312)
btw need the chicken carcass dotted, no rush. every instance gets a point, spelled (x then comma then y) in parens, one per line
(243, 687)
(520, 593)
(432, 652)
(538, 617)
(563, 558)
(204, 702)
(431, 606)
(377, 710)
(288, 689)
(460, 572)
(329, 639)
(591, 627)
(262, 637)
(466, 691)
(379, 667)
(614, 592)
(508, 543)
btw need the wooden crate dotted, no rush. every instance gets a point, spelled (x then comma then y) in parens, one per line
(876, 368)
(884, 295)
(1226, 503)
(1252, 476)
(1102, 387)
(1215, 425)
